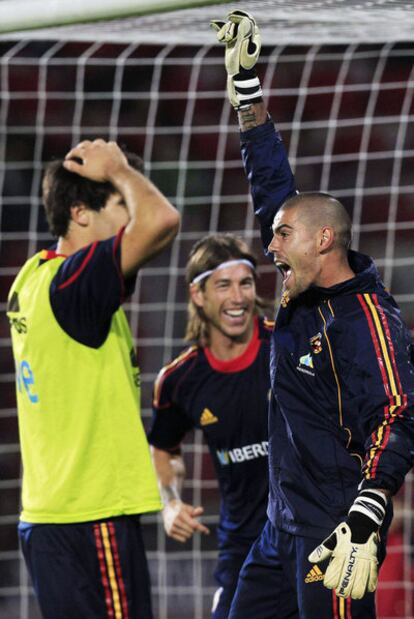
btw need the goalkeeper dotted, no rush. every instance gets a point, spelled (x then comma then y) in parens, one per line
(341, 423)
(87, 468)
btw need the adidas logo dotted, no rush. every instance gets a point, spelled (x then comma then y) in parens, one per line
(315, 575)
(207, 417)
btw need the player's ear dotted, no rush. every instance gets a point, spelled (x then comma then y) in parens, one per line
(196, 295)
(80, 214)
(325, 239)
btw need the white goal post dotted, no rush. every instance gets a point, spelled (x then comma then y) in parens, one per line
(338, 79)
(186, 21)
(31, 14)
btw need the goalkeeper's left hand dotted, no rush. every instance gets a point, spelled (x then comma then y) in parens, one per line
(241, 36)
(353, 546)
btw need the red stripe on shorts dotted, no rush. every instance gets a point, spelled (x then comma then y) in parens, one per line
(118, 569)
(102, 568)
(335, 605)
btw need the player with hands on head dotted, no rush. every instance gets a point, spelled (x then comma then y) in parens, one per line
(219, 385)
(87, 467)
(341, 421)
(150, 221)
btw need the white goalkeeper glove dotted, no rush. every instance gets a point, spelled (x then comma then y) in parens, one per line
(353, 545)
(241, 37)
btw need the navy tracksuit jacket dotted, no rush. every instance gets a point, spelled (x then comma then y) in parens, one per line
(342, 378)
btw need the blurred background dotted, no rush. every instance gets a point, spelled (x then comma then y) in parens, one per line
(346, 114)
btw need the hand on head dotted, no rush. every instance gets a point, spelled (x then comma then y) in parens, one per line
(98, 160)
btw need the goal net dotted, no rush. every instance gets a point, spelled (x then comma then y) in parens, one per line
(338, 80)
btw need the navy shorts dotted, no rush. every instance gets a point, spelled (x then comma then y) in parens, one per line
(227, 574)
(278, 582)
(91, 570)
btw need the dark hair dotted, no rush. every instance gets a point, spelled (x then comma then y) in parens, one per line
(207, 254)
(63, 189)
(319, 209)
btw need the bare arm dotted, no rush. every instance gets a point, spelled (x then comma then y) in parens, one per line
(153, 220)
(180, 519)
(252, 116)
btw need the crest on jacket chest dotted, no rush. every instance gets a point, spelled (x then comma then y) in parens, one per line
(316, 343)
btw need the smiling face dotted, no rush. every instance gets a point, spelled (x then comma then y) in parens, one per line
(227, 302)
(295, 250)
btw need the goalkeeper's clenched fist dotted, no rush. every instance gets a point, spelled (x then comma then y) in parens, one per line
(240, 34)
(353, 546)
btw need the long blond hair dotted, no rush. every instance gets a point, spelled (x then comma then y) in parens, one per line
(206, 255)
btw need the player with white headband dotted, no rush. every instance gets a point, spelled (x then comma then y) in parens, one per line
(219, 385)
(223, 265)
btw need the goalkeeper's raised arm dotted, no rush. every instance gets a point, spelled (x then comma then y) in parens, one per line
(273, 181)
(341, 414)
(241, 37)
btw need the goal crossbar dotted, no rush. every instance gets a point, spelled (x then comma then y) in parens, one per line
(22, 15)
(184, 22)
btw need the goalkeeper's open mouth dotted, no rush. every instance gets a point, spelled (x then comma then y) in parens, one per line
(285, 269)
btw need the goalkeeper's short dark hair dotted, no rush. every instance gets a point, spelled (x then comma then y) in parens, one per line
(205, 255)
(319, 209)
(63, 189)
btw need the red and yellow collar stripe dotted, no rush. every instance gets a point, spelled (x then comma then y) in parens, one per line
(166, 371)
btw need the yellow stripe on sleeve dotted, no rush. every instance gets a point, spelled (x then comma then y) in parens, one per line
(381, 337)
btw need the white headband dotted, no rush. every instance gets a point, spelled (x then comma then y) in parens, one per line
(223, 265)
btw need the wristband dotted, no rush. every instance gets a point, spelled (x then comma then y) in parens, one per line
(366, 514)
(248, 88)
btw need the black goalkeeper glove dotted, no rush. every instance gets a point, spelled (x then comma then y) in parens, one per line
(241, 37)
(353, 545)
